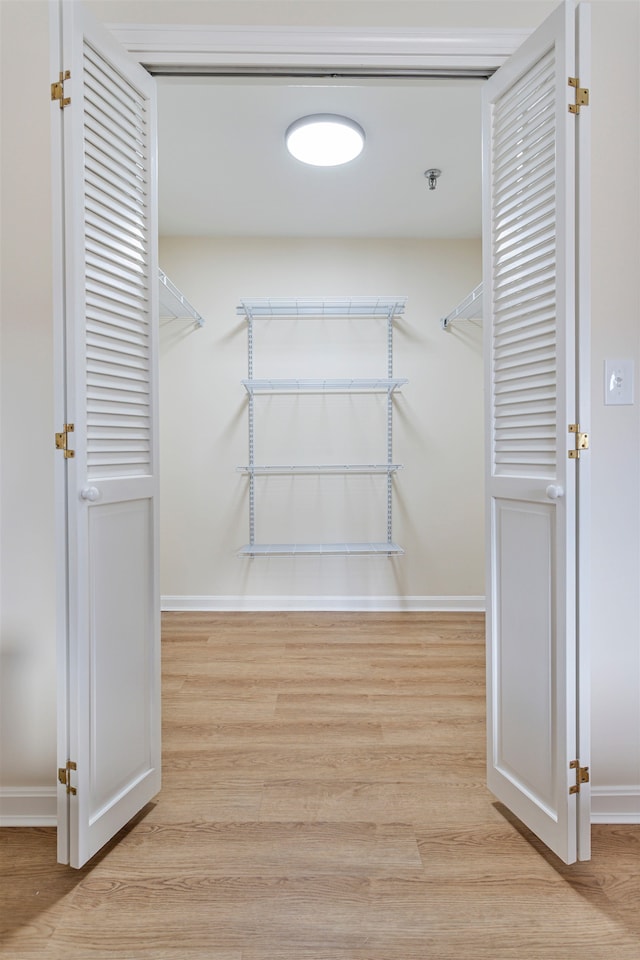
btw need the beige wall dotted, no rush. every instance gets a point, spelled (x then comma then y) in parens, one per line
(373, 13)
(27, 652)
(615, 620)
(26, 510)
(438, 510)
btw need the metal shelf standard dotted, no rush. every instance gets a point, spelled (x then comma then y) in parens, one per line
(361, 307)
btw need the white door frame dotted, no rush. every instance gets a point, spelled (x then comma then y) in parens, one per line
(361, 50)
(358, 51)
(237, 48)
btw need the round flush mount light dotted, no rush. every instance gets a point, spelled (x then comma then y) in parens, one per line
(325, 139)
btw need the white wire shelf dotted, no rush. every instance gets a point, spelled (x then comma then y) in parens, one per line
(322, 468)
(468, 309)
(320, 549)
(173, 305)
(377, 385)
(387, 307)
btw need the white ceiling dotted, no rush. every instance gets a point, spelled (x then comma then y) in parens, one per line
(224, 169)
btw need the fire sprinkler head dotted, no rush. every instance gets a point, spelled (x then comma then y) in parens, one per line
(432, 176)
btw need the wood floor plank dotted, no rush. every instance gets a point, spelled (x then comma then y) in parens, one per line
(409, 802)
(222, 801)
(186, 709)
(323, 799)
(376, 762)
(389, 707)
(237, 686)
(277, 732)
(260, 849)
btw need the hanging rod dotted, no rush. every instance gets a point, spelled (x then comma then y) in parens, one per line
(377, 385)
(173, 305)
(320, 549)
(469, 309)
(322, 468)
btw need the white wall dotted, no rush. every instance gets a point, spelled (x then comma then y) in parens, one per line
(438, 508)
(27, 627)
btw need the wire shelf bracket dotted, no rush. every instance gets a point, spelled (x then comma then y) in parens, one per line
(173, 304)
(468, 309)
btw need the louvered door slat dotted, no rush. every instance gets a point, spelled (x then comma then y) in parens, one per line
(536, 250)
(515, 240)
(103, 298)
(101, 291)
(515, 198)
(114, 223)
(130, 187)
(99, 186)
(524, 94)
(521, 316)
(511, 170)
(523, 121)
(106, 260)
(113, 322)
(126, 168)
(110, 225)
(117, 281)
(102, 346)
(108, 281)
(118, 88)
(128, 125)
(537, 206)
(99, 255)
(530, 126)
(517, 345)
(108, 243)
(123, 220)
(101, 123)
(516, 172)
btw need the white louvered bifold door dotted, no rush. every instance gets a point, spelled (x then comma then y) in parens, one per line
(113, 711)
(530, 318)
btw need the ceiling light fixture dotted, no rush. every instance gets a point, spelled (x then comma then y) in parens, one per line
(325, 140)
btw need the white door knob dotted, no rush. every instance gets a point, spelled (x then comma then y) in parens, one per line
(90, 493)
(554, 492)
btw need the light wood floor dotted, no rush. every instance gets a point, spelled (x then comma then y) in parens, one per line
(323, 799)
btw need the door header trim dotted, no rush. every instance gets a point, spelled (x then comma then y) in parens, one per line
(163, 48)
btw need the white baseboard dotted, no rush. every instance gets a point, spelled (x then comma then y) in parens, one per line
(346, 603)
(615, 804)
(28, 807)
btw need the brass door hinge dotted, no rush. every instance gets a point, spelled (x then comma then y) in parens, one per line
(57, 90)
(64, 776)
(62, 441)
(582, 441)
(581, 98)
(582, 776)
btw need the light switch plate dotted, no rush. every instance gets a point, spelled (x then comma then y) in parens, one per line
(618, 381)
